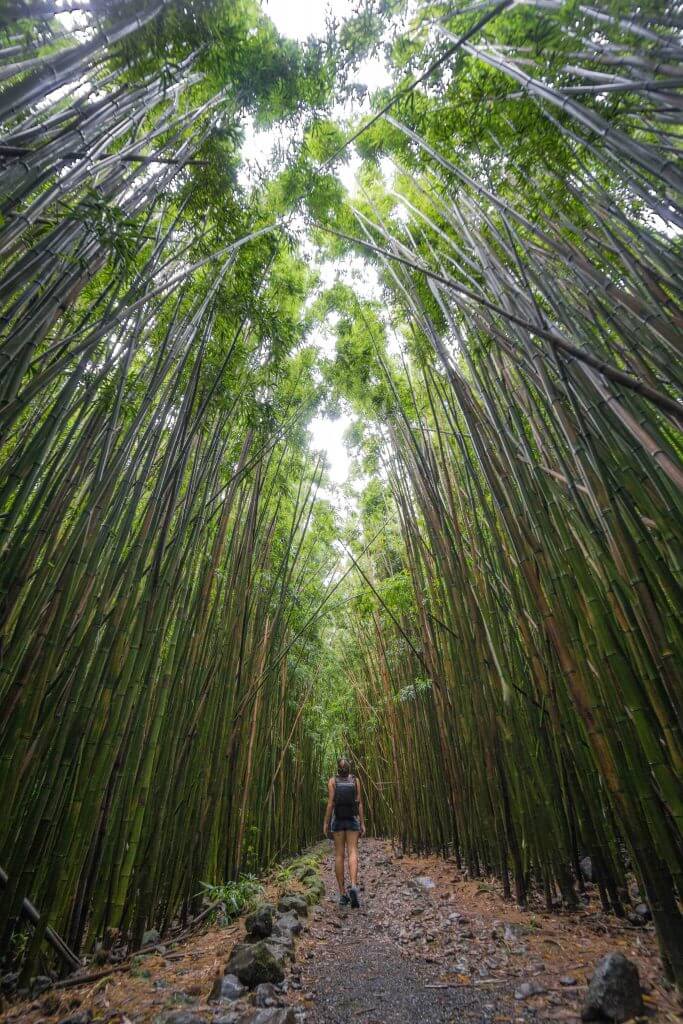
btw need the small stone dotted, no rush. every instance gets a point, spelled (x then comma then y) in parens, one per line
(182, 1017)
(260, 924)
(568, 981)
(293, 901)
(529, 988)
(642, 910)
(151, 937)
(425, 882)
(614, 991)
(267, 995)
(254, 963)
(227, 988)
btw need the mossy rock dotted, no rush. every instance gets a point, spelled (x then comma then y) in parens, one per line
(293, 901)
(254, 963)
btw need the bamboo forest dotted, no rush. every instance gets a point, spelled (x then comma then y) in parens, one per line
(447, 236)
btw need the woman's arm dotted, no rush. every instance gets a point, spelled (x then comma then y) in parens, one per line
(361, 812)
(330, 805)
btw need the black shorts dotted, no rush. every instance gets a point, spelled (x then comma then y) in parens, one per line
(345, 824)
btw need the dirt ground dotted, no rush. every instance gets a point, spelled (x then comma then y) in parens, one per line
(427, 945)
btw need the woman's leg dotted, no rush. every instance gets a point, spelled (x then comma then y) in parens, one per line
(339, 845)
(352, 844)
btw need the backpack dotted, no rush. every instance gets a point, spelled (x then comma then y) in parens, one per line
(345, 805)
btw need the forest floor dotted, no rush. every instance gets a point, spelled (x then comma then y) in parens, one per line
(427, 945)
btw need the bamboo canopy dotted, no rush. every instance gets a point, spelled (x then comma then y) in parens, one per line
(184, 640)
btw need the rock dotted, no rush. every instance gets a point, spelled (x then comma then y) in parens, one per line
(151, 937)
(293, 901)
(254, 963)
(83, 1017)
(567, 981)
(8, 982)
(529, 988)
(586, 865)
(267, 995)
(614, 991)
(273, 1015)
(304, 871)
(425, 883)
(643, 911)
(287, 924)
(40, 983)
(227, 988)
(181, 1017)
(281, 946)
(260, 924)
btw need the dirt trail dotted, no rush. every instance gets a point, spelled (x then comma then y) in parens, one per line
(429, 946)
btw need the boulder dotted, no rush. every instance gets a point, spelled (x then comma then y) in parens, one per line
(227, 988)
(614, 991)
(293, 901)
(260, 924)
(268, 994)
(287, 924)
(254, 963)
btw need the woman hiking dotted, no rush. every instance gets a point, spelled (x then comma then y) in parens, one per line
(345, 820)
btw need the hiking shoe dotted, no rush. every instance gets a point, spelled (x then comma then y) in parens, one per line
(343, 900)
(353, 897)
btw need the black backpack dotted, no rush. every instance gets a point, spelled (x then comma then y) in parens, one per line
(345, 805)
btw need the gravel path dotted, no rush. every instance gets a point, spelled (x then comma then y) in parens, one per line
(357, 966)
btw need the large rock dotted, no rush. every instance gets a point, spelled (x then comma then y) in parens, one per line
(287, 924)
(293, 901)
(260, 924)
(255, 962)
(614, 991)
(227, 988)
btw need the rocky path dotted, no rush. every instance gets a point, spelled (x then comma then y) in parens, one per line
(430, 946)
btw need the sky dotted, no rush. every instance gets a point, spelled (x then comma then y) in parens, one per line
(300, 19)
